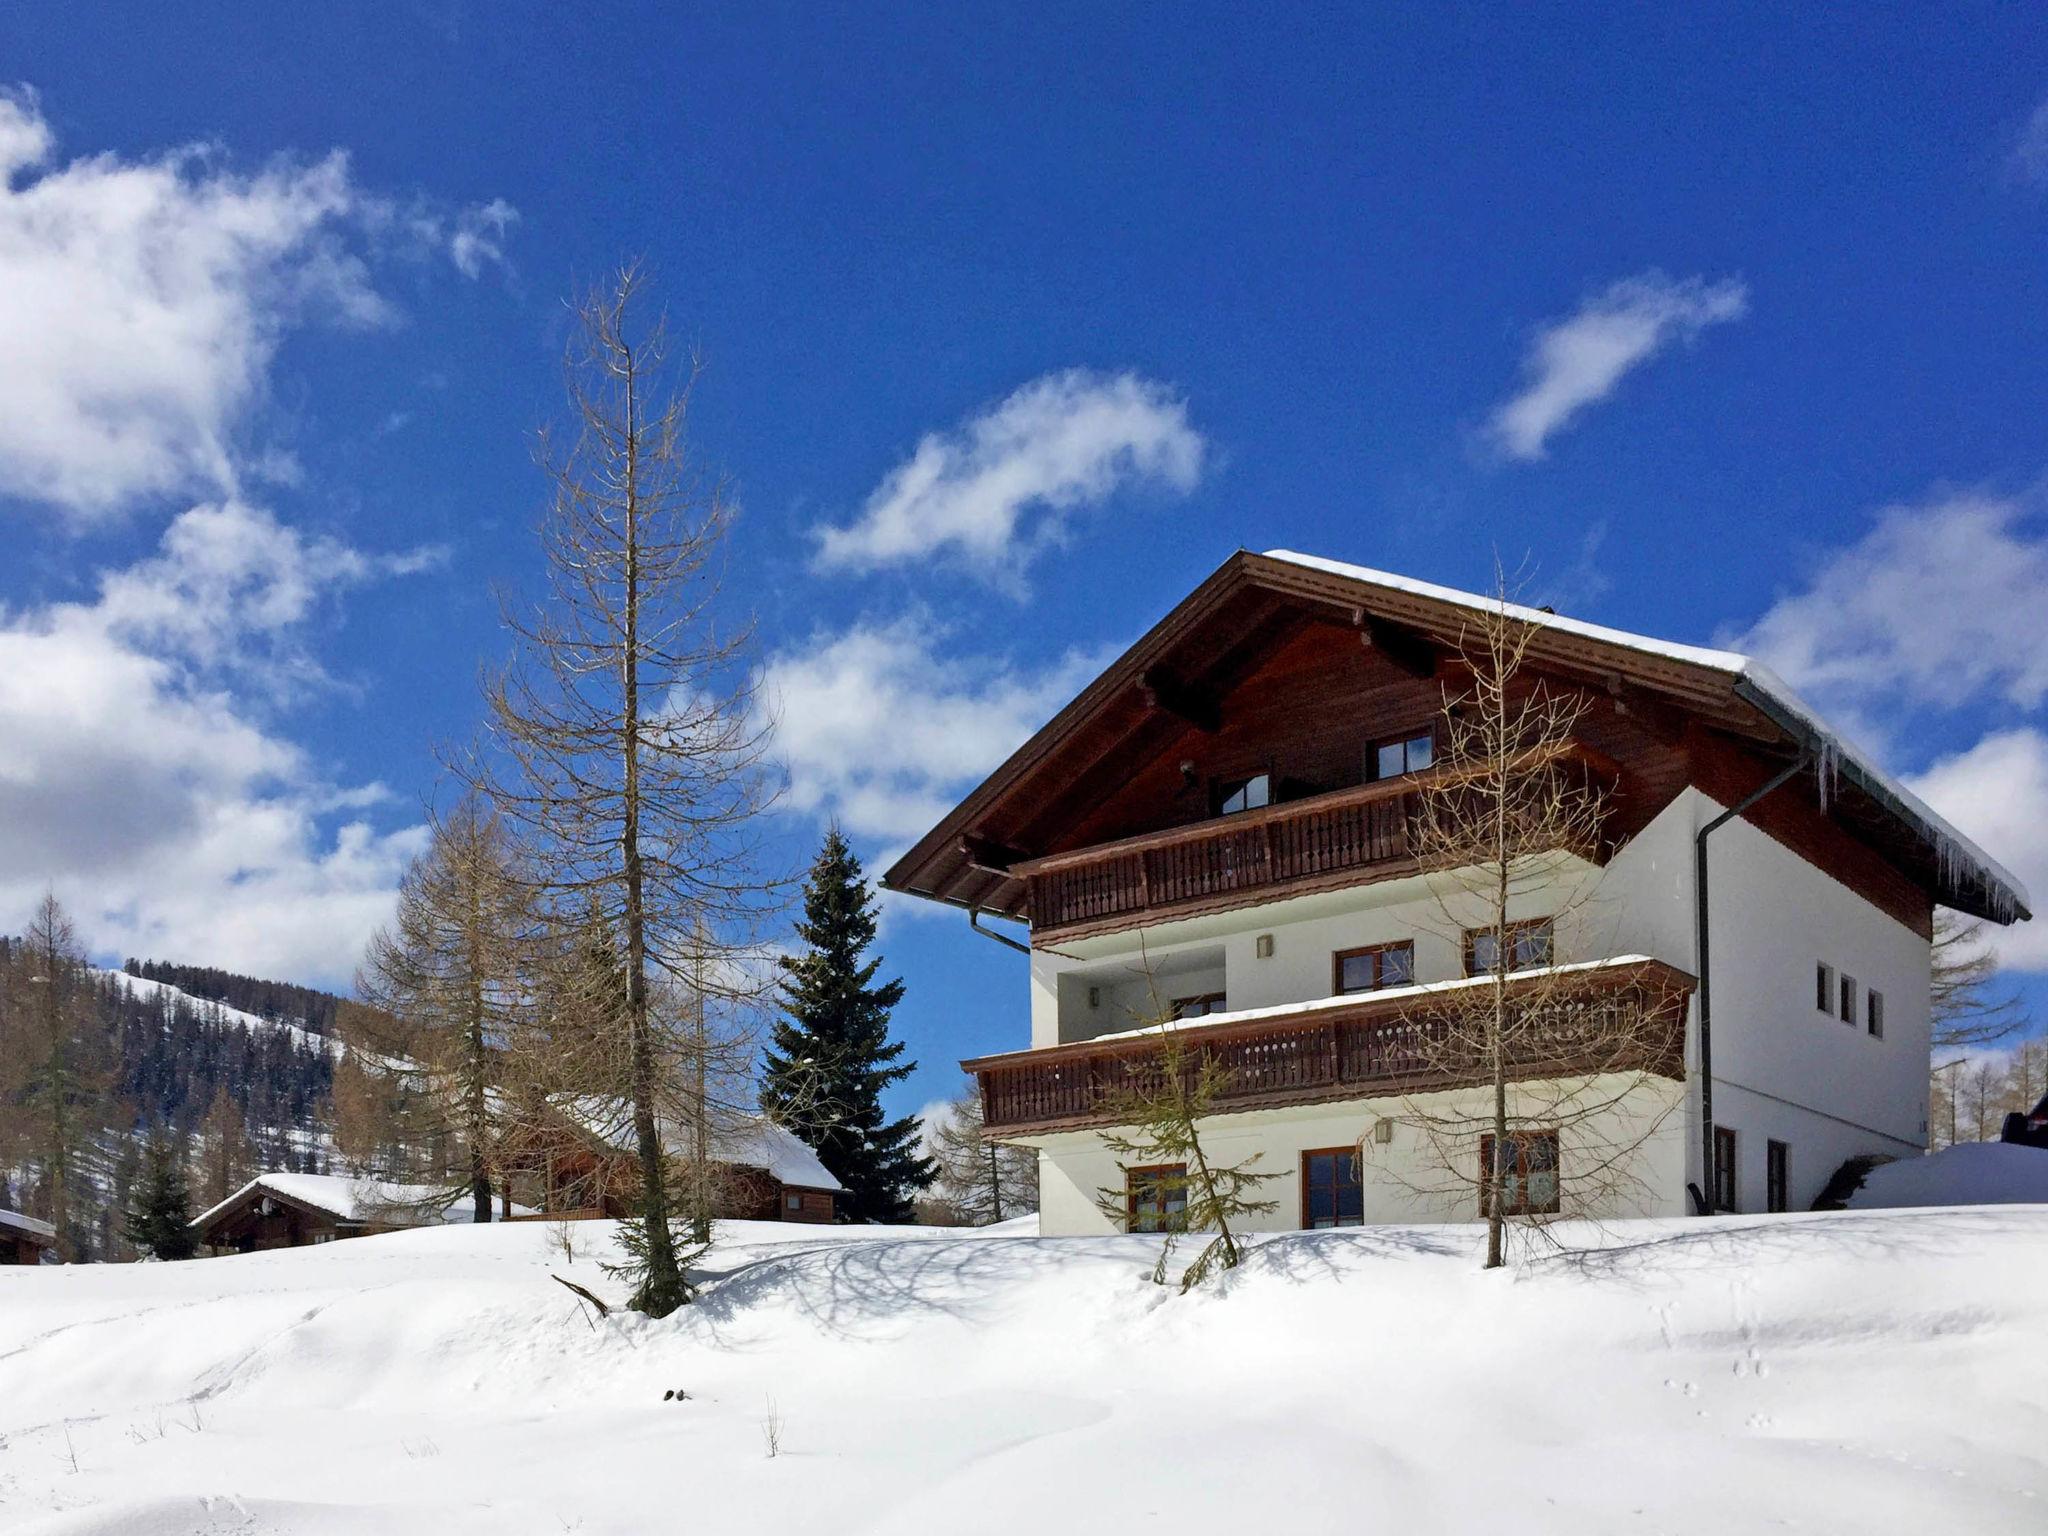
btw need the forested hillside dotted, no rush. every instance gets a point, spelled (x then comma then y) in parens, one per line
(232, 1068)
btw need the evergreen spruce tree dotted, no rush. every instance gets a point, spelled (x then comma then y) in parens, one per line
(160, 1205)
(831, 1057)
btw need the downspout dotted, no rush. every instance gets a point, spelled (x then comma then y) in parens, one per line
(1706, 969)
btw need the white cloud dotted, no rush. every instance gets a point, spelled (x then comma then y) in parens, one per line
(1997, 793)
(137, 784)
(1939, 603)
(1579, 360)
(141, 302)
(996, 491)
(2029, 158)
(883, 728)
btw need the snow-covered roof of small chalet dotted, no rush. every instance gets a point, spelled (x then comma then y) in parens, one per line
(28, 1224)
(1766, 689)
(351, 1199)
(741, 1139)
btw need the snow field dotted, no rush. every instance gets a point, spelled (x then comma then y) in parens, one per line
(1868, 1371)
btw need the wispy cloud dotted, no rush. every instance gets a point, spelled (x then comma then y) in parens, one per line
(2029, 156)
(883, 726)
(142, 300)
(997, 490)
(1577, 361)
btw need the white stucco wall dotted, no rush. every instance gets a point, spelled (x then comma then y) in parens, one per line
(1403, 1180)
(1782, 1069)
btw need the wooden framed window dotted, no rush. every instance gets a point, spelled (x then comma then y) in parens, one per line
(793, 1202)
(1331, 1195)
(1530, 944)
(1725, 1188)
(1873, 1013)
(1156, 1198)
(1525, 1181)
(1824, 987)
(1249, 793)
(1848, 990)
(1373, 967)
(1402, 755)
(1777, 1175)
(1198, 1005)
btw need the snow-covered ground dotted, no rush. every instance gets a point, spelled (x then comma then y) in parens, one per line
(1969, 1173)
(1855, 1371)
(205, 1007)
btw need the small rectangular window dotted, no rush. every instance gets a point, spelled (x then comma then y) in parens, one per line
(1525, 1180)
(1407, 754)
(1848, 998)
(1777, 1175)
(1530, 944)
(794, 1202)
(1724, 1169)
(1195, 1007)
(1246, 794)
(1873, 1013)
(1331, 1195)
(1824, 987)
(1157, 1198)
(1374, 967)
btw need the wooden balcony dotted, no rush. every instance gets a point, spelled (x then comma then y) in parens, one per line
(1358, 1047)
(1344, 837)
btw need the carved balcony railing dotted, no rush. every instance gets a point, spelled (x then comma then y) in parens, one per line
(1613, 1016)
(1334, 839)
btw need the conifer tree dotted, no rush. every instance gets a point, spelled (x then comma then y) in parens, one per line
(831, 1057)
(160, 1206)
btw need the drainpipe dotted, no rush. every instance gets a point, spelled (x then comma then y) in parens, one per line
(1706, 969)
(974, 922)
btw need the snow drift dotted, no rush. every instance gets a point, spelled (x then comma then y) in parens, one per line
(1868, 1371)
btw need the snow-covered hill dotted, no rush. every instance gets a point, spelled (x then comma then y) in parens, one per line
(143, 987)
(1856, 1371)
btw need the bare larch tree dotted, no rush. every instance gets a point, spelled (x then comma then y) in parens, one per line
(1508, 830)
(624, 744)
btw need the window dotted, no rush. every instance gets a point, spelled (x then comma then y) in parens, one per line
(1376, 966)
(1330, 1191)
(1247, 794)
(1824, 987)
(1157, 1198)
(1848, 998)
(322, 1237)
(1724, 1169)
(1777, 1175)
(1391, 759)
(1873, 1013)
(1195, 1007)
(793, 1202)
(1529, 944)
(1526, 1177)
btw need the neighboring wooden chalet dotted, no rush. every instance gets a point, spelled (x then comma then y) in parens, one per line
(580, 1163)
(296, 1210)
(1222, 825)
(23, 1239)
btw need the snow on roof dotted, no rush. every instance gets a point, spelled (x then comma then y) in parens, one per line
(743, 1139)
(27, 1224)
(1952, 848)
(352, 1199)
(1378, 995)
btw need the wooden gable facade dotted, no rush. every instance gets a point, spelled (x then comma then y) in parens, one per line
(1107, 818)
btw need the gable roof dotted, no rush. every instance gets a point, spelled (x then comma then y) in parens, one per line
(354, 1201)
(1228, 614)
(739, 1138)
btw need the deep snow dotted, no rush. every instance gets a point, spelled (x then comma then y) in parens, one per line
(1971, 1172)
(1866, 1371)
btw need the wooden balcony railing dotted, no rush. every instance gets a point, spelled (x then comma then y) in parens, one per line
(1625, 1015)
(1281, 850)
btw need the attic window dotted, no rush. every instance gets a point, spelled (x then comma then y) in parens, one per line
(1247, 794)
(1392, 759)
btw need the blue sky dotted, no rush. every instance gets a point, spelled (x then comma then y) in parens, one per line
(1731, 325)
